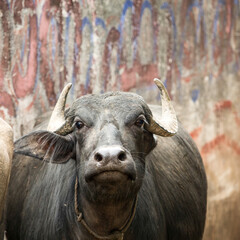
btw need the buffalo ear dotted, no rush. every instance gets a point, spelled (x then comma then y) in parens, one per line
(46, 146)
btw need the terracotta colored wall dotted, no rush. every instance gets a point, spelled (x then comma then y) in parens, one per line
(194, 46)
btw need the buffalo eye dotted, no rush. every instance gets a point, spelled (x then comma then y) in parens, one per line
(79, 124)
(140, 122)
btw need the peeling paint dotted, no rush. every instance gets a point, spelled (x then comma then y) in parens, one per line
(193, 46)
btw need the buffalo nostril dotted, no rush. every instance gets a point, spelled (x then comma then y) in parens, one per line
(122, 156)
(98, 157)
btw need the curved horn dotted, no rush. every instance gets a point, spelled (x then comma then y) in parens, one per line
(167, 124)
(57, 118)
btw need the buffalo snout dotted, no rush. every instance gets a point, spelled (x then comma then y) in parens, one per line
(110, 163)
(110, 154)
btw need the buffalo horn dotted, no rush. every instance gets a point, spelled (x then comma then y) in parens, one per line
(167, 124)
(57, 118)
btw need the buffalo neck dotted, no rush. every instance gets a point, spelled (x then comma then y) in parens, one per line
(104, 219)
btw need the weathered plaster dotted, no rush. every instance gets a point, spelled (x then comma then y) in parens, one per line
(193, 46)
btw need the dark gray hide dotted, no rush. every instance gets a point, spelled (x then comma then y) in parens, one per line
(107, 133)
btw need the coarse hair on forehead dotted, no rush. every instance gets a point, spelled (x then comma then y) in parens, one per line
(98, 101)
(117, 94)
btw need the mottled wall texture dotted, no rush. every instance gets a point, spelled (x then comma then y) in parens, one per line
(103, 45)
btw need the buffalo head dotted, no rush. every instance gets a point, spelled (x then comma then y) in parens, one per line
(108, 136)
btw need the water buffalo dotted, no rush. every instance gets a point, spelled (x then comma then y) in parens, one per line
(6, 143)
(125, 170)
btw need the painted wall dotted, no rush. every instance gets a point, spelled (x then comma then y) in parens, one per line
(193, 46)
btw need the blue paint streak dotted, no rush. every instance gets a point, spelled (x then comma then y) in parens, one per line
(215, 22)
(147, 5)
(39, 44)
(54, 27)
(201, 17)
(8, 3)
(24, 43)
(76, 52)
(128, 4)
(190, 8)
(166, 6)
(68, 19)
(100, 22)
(198, 5)
(195, 95)
(236, 2)
(86, 22)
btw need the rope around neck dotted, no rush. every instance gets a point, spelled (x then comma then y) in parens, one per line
(118, 235)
